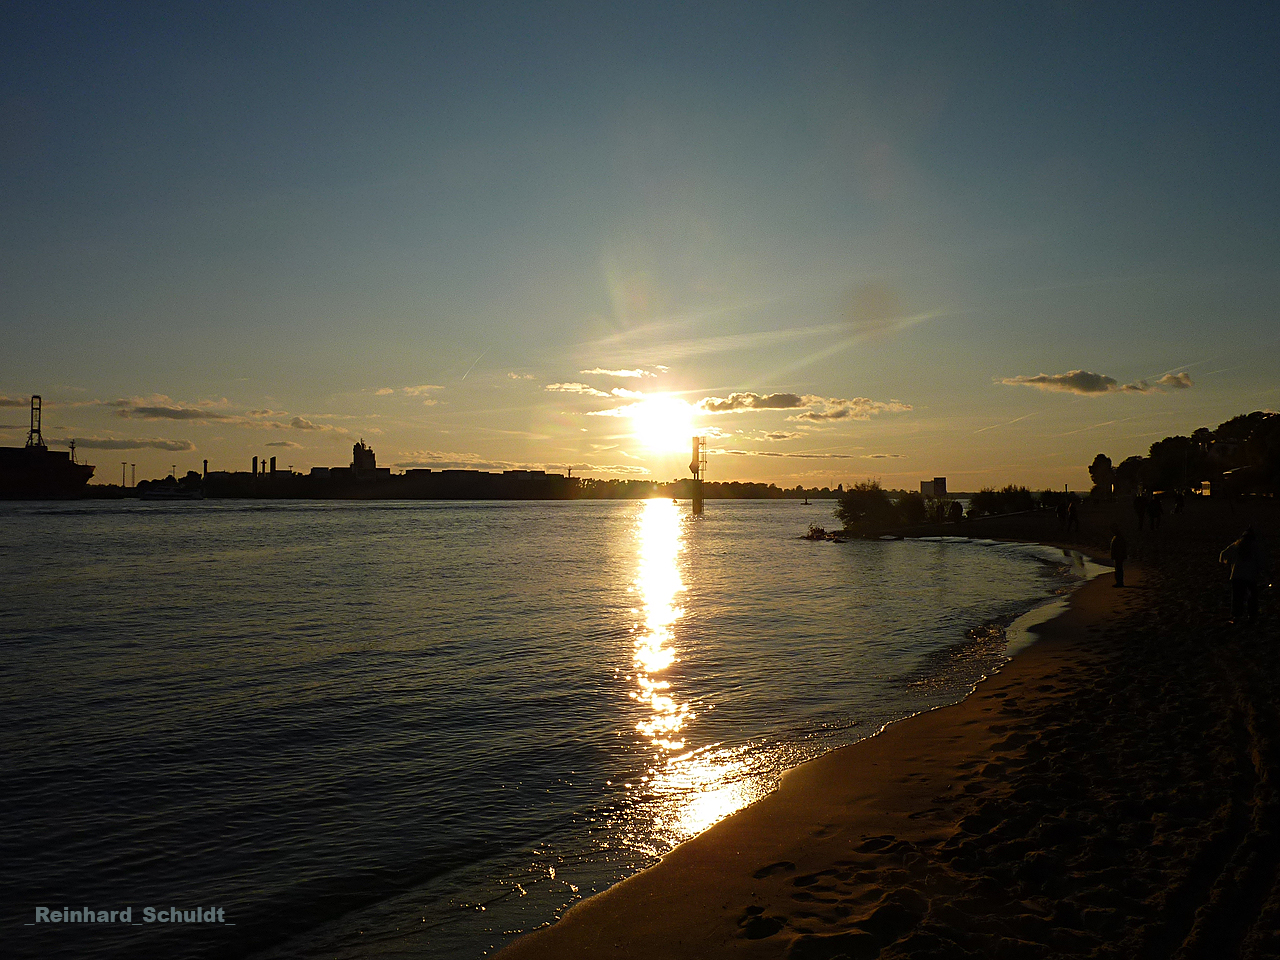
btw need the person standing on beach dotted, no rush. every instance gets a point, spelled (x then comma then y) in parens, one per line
(1119, 552)
(1247, 558)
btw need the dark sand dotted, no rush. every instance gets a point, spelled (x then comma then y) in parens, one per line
(1108, 794)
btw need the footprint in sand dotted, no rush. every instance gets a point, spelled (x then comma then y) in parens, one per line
(782, 866)
(755, 926)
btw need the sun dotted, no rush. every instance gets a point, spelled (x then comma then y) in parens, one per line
(662, 423)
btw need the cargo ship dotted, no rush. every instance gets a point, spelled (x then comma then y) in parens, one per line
(35, 472)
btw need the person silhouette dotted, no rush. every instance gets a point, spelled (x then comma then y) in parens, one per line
(1247, 558)
(1155, 510)
(1139, 509)
(1073, 515)
(1119, 553)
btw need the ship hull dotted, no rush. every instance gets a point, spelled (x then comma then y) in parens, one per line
(35, 473)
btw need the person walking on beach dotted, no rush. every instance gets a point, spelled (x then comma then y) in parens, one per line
(1119, 552)
(1247, 558)
(1073, 515)
(1154, 512)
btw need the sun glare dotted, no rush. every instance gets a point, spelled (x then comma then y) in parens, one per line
(662, 423)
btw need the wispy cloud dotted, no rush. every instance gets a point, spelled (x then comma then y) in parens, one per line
(451, 460)
(582, 388)
(884, 456)
(790, 455)
(1006, 423)
(521, 376)
(285, 443)
(1085, 383)
(114, 443)
(632, 374)
(14, 401)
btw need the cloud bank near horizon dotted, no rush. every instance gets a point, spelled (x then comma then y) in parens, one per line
(1086, 384)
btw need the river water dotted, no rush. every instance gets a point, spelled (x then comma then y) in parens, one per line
(418, 729)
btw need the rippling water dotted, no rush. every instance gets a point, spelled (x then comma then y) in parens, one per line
(412, 729)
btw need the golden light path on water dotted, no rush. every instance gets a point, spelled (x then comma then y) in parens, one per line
(691, 788)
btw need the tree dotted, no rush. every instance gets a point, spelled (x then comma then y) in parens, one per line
(1129, 475)
(1103, 476)
(865, 504)
(912, 508)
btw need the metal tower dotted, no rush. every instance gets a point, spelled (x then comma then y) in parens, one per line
(698, 466)
(33, 435)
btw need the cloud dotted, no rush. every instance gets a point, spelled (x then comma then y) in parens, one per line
(521, 376)
(285, 443)
(632, 374)
(741, 402)
(1086, 384)
(418, 391)
(581, 388)
(817, 409)
(789, 455)
(624, 468)
(834, 409)
(13, 402)
(133, 410)
(884, 456)
(448, 460)
(301, 423)
(111, 443)
(778, 435)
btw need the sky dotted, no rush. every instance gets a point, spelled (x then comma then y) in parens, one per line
(841, 241)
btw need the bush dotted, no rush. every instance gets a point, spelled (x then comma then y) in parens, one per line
(1009, 499)
(865, 504)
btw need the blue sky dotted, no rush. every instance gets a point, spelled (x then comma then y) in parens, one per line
(239, 229)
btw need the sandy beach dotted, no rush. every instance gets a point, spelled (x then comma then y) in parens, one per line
(1108, 794)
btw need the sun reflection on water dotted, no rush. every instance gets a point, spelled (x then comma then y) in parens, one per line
(687, 789)
(658, 582)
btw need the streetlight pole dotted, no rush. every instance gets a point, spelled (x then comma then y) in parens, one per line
(123, 463)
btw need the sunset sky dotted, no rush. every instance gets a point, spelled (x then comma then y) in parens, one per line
(985, 241)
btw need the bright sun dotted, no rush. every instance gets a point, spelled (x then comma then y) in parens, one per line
(663, 424)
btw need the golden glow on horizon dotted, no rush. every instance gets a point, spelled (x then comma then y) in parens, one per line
(662, 423)
(658, 581)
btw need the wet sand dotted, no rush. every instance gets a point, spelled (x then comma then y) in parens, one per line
(1108, 794)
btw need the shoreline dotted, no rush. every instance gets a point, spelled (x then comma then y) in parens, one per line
(1062, 808)
(753, 855)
